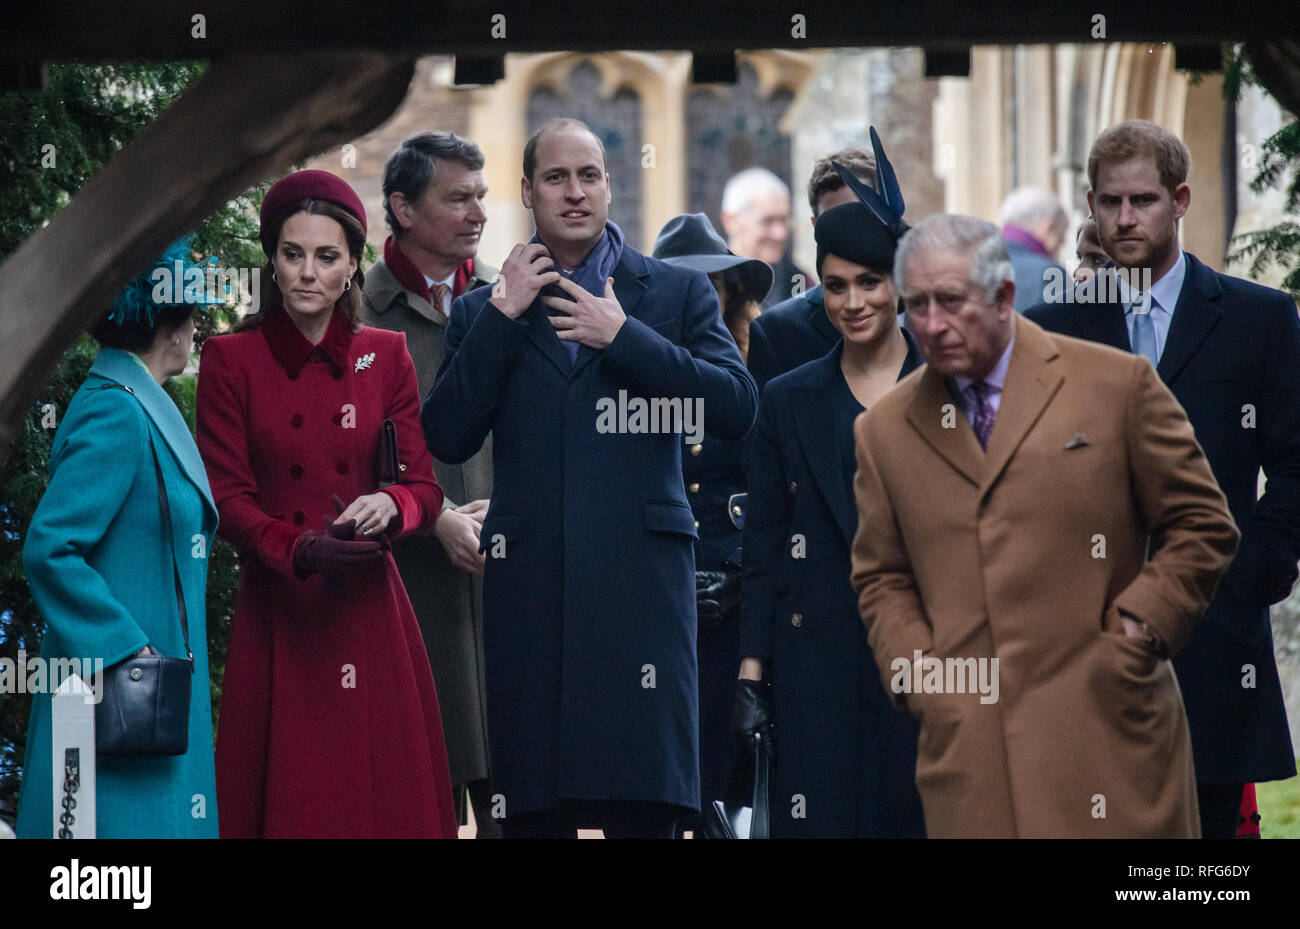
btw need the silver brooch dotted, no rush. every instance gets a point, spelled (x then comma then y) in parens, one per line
(364, 362)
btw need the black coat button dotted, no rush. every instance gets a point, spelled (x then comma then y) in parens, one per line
(341, 467)
(296, 472)
(296, 422)
(299, 518)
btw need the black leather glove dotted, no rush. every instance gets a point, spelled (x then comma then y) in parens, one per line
(751, 710)
(716, 594)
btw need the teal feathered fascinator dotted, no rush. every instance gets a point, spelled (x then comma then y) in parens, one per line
(173, 280)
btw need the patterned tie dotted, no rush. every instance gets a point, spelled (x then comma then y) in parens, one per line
(1144, 333)
(984, 413)
(439, 292)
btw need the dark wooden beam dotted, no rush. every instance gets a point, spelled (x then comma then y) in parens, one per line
(248, 118)
(73, 29)
(1277, 65)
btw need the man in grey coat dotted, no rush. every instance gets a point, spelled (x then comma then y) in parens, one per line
(1033, 227)
(433, 201)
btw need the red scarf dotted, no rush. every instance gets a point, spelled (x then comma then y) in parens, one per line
(412, 278)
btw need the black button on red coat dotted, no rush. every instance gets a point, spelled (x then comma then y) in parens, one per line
(296, 472)
(296, 422)
(299, 518)
(341, 467)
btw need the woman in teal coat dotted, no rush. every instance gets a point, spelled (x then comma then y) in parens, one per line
(100, 569)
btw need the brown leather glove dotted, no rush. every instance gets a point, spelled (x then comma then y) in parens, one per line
(322, 553)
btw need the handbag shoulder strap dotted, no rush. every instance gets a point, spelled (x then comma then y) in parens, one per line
(165, 511)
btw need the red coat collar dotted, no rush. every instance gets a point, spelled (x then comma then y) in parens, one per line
(410, 277)
(290, 348)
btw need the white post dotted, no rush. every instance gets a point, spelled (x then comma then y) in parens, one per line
(72, 725)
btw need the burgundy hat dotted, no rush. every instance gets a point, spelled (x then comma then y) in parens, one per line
(310, 185)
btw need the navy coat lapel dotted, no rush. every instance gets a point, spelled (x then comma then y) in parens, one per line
(1102, 322)
(542, 334)
(1195, 315)
(118, 366)
(816, 422)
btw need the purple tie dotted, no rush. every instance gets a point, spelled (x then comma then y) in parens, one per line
(984, 413)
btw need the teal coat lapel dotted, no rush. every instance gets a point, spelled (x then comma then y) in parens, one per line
(119, 367)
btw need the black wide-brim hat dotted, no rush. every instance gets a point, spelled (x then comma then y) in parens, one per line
(690, 241)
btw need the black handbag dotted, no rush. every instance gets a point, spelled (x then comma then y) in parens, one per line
(145, 705)
(387, 468)
(746, 811)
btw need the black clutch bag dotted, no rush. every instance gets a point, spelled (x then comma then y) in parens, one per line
(145, 705)
(387, 467)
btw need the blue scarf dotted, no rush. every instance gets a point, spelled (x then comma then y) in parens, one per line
(590, 274)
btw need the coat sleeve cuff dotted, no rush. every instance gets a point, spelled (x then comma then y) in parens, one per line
(416, 512)
(1142, 603)
(275, 547)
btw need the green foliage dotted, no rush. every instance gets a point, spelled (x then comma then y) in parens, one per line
(87, 113)
(1279, 808)
(1279, 159)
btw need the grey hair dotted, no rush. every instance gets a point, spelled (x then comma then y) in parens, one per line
(1029, 206)
(412, 169)
(990, 264)
(746, 185)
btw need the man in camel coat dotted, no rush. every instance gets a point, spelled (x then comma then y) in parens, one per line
(1006, 493)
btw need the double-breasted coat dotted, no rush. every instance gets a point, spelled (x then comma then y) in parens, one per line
(846, 755)
(1027, 554)
(448, 602)
(329, 719)
(100, 570)
(589, 591)
(1232, 359)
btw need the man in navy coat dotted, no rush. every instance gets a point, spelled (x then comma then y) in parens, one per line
(796, 331)
(1230, 352)
(587, 362)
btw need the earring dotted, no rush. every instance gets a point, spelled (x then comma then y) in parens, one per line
(275, 277)
(347, 286)
(176, 340)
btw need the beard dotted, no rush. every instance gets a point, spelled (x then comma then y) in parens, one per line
(1144, 254)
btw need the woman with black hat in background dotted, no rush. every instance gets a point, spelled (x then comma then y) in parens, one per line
(845, 757)
(329, 719)
(714, 473)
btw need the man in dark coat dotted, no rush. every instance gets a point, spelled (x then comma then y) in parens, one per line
(796, 331)
(1229, 350)
(589, 587)
(433, 199)
(756, 219)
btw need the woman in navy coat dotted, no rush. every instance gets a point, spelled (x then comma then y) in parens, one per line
(99, 564)
(845, 757)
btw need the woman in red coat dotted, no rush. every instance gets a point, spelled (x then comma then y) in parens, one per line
(329, 720)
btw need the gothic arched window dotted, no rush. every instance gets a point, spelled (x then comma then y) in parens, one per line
(616, 121)
(731, 129)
